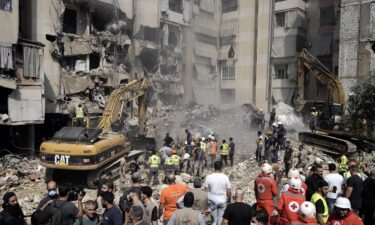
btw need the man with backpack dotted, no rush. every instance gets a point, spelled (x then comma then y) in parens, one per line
(63, 210)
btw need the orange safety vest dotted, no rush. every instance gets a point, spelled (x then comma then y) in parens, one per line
(289, 204)
(265, 187)
(213, 145)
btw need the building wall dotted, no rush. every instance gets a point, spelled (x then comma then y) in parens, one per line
(9, 25)
(357, 33)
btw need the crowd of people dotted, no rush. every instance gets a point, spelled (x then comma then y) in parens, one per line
(343, 196)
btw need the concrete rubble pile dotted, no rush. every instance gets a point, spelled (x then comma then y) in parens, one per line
(24, 176)
(202, 120)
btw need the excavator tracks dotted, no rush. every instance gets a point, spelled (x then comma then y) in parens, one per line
(329, 144)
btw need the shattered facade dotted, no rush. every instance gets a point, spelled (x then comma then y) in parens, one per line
(299, 24)
(357, 42)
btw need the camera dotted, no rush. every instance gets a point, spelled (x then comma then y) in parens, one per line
(75, 191)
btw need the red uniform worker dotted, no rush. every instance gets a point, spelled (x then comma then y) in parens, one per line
(265, 189)
(307, 215)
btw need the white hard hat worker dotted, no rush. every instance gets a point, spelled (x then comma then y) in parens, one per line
(308, 210)
(266, 168)
(279, 123)
(274, 124)
(293, 173)
(295, 183)
(343, 203)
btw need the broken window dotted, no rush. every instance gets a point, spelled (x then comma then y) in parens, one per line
(101, 17)
(6, 5)
(94, 61)
(70, 21)
(228, 96)
(228, 72)
(280, 71)
(327, 16)
(229, 5)
(280, 19)
(175, 5)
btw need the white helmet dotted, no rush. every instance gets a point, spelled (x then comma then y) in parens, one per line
(293, 173)
(295, 183)
(185, 142)
(203, 138)
(266, 168)
(308, 209)
(343, 203)
(279, 123)
(274, 124)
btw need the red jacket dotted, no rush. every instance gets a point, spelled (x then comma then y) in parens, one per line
(265, 187)
(350, 219)
(308, 221)
(289, 204)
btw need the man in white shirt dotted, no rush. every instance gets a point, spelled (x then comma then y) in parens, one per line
(219, 192)
(335, 180)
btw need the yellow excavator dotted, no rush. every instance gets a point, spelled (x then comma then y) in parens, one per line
(334, 132)
(89, 152)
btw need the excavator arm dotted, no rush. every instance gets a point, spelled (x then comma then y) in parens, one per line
(136, 89)
(306, 61)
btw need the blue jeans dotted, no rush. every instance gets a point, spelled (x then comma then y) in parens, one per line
(331, 204)
(275, 156)
(282, 143)
(217, 212)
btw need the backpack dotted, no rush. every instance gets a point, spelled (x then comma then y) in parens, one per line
(55, 208)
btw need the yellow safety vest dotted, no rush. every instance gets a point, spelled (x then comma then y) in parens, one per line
(169, 161)
(176, 160)
(154, 161)
(79, 112)
(314, 114)
(224, 150)
(316, 196)
(260, 138)
(203, 146)
(343, 162)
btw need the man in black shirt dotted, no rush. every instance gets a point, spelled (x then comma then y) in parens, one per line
(99, 182)
(231, 150)
(368, 199)
(313, 180)
(288, 157)
(51, 194)
(354, 187)
(168, 141)
(112, 214)
(237, 213)
(189, 138)
(12, 213)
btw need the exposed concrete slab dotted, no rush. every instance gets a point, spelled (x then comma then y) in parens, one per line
(8, 83)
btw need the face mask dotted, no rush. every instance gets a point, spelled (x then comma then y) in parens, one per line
(52, 193)
(252, 224)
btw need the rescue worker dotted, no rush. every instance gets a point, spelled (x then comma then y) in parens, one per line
(302, 157)
(213, 151)
(343, 164)
(313, 119)
(187, 157)
(154, 162)
(281, 135)
(265, 189)
(231, 150)
(203, 149)
(268, 146)
(290, 201)
(307, 214)
(288, 157)
(343, 215)
(176, 161)
(169, 164)
(260, 143)
(189, 137)
(347, 174)
(224, 151)
(318, 199)
(293, 172)
(80, 116)
(198, 160)
(272, 117)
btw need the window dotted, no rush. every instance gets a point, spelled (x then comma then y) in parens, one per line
(70, 21)
(327, 16)
(175, 6)
(280, 19)
(228, 96)
(228, 72)
(6, 5)
(229, 5)
(280, 71)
